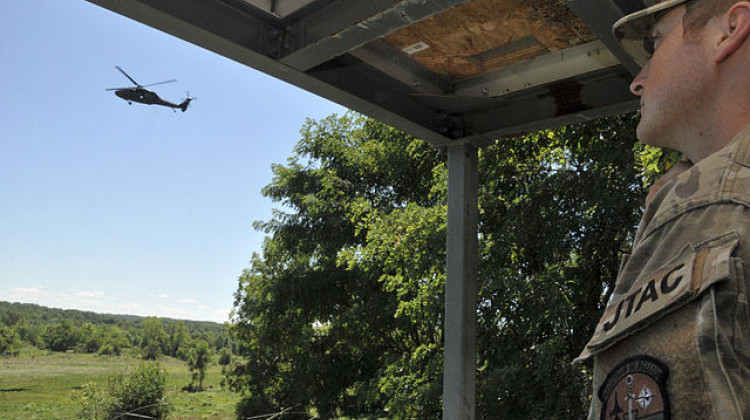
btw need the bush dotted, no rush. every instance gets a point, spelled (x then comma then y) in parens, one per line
(225, 357)
(109, 349)
(134, 393)
(252, 408)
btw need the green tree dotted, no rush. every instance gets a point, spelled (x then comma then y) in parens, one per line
(178, 340)
(114, 342)
(13, 331)
(154, 338)
(320, 328)
(198, 363)
(558, 210)
(89, 337)
(343, 309)
(60, 336)
(11, 318)
(10, 341)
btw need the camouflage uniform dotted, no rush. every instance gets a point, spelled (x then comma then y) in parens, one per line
(679, 317)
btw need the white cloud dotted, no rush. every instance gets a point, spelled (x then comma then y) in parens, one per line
(26, 290)
(23, 294)
(87, 293)
(192, 301)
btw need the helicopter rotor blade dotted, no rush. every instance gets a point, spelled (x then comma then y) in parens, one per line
(119, 88)
(126, 75)
(160, 83)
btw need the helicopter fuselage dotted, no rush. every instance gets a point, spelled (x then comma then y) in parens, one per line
(143, 96)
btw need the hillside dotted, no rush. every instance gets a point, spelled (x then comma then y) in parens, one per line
(89, 332)
(37, 314)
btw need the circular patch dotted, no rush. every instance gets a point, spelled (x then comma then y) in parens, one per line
(635, 389)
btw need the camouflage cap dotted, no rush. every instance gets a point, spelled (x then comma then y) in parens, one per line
(633, 31)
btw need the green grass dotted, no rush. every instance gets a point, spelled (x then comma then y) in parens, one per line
(39, 385)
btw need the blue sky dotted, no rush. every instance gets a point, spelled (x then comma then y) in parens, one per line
(131, 209)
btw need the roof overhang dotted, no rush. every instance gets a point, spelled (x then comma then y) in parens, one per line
(447, 71)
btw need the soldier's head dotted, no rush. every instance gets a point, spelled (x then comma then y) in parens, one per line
(692, 53)
(634, 32)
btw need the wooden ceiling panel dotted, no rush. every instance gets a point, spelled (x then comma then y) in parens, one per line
(484, 35)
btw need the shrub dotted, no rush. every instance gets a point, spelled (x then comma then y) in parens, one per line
(134, 393)
(252, 408)
(109, 349)
(225, 357)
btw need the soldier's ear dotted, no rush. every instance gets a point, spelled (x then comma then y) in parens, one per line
(735, 28)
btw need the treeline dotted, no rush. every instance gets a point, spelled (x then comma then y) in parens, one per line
(64, 330)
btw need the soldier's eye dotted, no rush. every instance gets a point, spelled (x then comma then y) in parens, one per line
(649, 44)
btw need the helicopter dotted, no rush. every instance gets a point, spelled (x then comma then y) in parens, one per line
(140, 94)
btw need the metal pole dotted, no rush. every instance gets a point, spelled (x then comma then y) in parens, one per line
(459, 380)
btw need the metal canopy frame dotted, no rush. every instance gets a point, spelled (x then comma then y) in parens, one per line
(334, 49)
(344, 50)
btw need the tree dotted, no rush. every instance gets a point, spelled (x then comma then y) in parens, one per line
(343, 309)
(318, 328)
(60, 336)
(10, 341)
(558, 210)
(12, 326)
(178, 340)
(198, 362)
(90, 338)
(11, 318)
(114, 342)
(154, 338)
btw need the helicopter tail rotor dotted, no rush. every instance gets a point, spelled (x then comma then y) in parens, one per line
(184, 105)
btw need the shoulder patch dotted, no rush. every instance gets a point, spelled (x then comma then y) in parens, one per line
(635, 389)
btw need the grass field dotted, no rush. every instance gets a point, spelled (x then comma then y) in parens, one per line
(39, 385)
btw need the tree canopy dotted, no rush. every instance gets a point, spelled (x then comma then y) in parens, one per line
(342, 311)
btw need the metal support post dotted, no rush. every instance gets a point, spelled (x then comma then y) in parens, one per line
(459, 380)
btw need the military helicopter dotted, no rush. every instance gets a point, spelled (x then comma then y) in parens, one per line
(140, 94)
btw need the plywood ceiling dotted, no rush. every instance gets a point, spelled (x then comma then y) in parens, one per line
(484, 35)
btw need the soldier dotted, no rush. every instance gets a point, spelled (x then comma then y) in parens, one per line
(674, 341)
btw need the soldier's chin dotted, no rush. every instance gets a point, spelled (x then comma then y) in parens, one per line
(641, 133)
(646, 135)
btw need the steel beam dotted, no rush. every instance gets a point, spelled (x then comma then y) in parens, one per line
(459, 377)
(593, 95)
(214, 25)
(399, 66)
(373, 28)
(599, 18)
(542, 70)
(338, 16)
(279, 8)
(382, 95)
